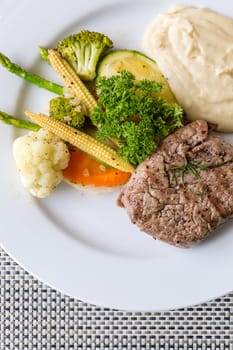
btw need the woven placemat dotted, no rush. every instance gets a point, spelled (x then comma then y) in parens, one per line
(36, 317)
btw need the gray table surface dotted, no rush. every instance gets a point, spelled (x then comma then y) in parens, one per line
(36, 317)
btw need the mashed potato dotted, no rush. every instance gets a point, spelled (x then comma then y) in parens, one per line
(194, 50)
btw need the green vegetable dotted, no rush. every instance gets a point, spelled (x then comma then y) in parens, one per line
(44, 54)
(19, 123)
(141, 66)
(30, 77)
(134, 114)
(67, 111)
(83, 51)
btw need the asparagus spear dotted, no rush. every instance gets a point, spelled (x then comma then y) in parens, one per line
(44, 54)
(30, 77)
(19, 123)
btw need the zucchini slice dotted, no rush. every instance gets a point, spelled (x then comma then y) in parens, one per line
(141, 66)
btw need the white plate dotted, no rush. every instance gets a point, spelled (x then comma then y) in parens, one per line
(81, 244)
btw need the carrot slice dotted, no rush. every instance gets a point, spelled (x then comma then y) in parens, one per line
(84, 170)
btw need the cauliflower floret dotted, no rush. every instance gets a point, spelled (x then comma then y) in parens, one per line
(40, 157)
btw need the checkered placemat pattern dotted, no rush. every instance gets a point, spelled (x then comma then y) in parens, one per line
(36, 317)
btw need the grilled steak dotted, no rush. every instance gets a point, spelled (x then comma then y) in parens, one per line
(184, 190)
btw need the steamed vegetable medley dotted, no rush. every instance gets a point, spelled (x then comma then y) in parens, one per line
(110, 113)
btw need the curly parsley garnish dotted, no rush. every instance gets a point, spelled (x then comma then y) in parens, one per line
(134, 114)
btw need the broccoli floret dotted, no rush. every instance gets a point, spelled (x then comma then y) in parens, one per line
(67, 111)
(83, 51)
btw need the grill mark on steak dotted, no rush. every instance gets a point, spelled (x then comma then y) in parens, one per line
(184, 190)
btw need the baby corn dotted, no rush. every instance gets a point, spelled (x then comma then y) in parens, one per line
(82, 141)
(71, 80)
